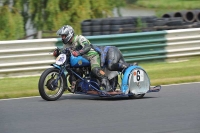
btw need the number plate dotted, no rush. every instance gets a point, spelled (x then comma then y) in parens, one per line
(138, 75)
(60, 59)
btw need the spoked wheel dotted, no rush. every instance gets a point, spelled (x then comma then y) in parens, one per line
(50, 86)
(139, 83)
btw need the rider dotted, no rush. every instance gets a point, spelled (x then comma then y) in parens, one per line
(112, 57)
(82, 47)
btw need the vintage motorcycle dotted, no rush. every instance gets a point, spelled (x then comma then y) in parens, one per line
(135, 82)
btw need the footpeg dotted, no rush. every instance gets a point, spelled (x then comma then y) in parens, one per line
(155, 89)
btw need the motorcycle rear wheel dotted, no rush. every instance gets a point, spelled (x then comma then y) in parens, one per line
(48, 90)
(138, 83)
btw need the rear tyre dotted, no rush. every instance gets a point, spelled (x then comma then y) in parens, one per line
(138, 83)
(49, 89)
(139, 96)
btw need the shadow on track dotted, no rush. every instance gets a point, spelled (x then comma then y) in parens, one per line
(89, 97)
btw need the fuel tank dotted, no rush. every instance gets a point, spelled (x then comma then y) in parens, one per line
(79, 61)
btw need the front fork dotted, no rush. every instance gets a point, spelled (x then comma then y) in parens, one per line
(61, 71)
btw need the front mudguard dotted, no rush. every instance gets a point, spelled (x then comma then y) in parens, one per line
(125, 86)
(56, 66)
(65, 82)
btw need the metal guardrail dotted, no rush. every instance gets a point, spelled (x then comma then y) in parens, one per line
(31, 57)
(25, 57)
(134, 46)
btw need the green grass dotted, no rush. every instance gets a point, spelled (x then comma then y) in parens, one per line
(167, 6)
(18, 87)
(160, 73)
(172, 73)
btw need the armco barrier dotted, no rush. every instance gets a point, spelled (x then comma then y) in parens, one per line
(31, 57)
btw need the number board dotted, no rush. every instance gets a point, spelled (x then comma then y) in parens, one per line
(60, 59)
(138, 75)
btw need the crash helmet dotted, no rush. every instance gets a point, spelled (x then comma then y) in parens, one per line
(66, 30)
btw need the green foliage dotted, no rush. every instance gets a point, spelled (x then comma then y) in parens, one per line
(140, 24)
(78, 10)
(131, 1)
(51, 14)
(18, 20)
(169, 4)
(11, 23)
(36, 8)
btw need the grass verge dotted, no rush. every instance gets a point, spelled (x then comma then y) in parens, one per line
(169, 4)
(166, 6)
(161, 73)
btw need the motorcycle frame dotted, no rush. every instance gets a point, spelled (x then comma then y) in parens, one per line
(63, 68)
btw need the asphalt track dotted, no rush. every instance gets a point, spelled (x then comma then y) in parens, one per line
(176, 109)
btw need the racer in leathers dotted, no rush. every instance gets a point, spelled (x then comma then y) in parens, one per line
(82, 46)
(112, 57)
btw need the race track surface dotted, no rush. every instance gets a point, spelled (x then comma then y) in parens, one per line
(175, 109)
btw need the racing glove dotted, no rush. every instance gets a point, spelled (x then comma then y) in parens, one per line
(75, 53)
(56, 52)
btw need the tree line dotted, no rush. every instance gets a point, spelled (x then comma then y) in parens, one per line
(50, 15)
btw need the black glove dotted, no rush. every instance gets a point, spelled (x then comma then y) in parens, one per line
(56, 52)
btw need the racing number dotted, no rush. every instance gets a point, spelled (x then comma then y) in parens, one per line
(138, 75)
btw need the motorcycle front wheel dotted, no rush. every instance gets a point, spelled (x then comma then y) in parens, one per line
(51, 86)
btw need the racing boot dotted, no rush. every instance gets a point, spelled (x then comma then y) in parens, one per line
(123, 66)
(73, 86)
(135, 64)
(105, 82)
(100, 74)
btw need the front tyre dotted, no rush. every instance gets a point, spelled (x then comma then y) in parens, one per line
(50, 86)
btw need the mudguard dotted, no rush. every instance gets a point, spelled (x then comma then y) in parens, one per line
(56, 66)
(130, 86)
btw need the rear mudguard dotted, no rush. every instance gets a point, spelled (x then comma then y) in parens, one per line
(125, 81)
